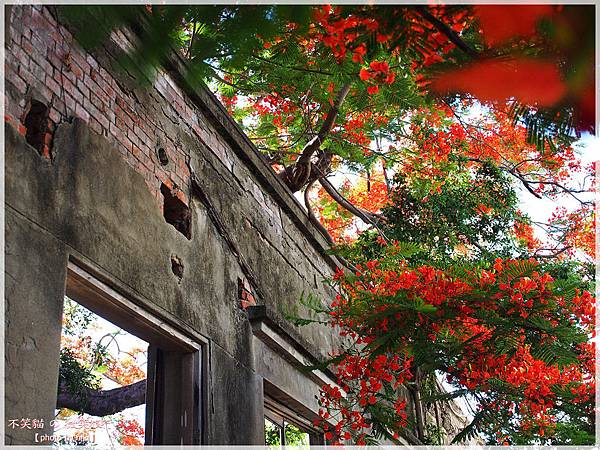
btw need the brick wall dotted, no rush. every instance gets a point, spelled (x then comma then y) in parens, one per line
(44, 63)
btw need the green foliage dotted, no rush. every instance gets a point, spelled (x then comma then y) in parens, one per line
(441, 221)
(272, 433)
(76, 318)
(434, 435)
(75, 377)
(312, 305)
(294, 436)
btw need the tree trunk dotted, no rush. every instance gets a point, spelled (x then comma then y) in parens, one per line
(299, 174)
(102, 403)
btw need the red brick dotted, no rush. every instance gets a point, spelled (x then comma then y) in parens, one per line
(70, 88)
(53, 86)
(92, 62)
(39, 45)
(98, 103)
(37, 71)
(78, 59)
(69, 102)
(82, 113)
(127, 123)
(181, 196)
(183, 172)
(135, 150)
(54, 115)
(146, 150)
(90, 83)
(15, 37)
(103, 121)
(102, 96)
(133, 138)
(76, 71)
(91, 109)
(27, 46)
(110, 115)
(20, 56)
(46, 152)
(26, 34)
(48, 16)
(109, 90)
(104, 75)
(133, 115)
(46, 66)
(95, 125)
(139, 132)
(83, 89)
(140, 168)
(16, 81)
(22, 129)
(120, 102)
(56, 62)
(116, 132)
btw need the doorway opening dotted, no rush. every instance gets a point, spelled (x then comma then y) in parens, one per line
(128, 375)
(102, 381)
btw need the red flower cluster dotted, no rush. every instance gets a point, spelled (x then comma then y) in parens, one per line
(132, 433)
(389, 311)
(351, 34)
(378, 72)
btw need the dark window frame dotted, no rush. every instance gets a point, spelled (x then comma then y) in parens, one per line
(280, 414)
(175, 411)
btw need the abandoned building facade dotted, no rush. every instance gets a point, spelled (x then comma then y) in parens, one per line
(148, 205)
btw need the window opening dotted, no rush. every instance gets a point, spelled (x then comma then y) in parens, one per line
(155, 367)
(102, 390)
(284, 427)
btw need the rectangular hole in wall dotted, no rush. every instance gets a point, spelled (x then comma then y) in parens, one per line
(112, 337)
(103, 371)
(285, 427)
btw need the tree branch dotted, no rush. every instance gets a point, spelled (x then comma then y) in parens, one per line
(300, 69)
(312, 217)
(555, 252)
(448, 32)
(102, 403)
(299, 174)
(525, 182)
(189, 49)
(366, 216)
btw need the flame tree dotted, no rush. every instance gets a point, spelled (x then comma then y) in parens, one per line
(440, 113)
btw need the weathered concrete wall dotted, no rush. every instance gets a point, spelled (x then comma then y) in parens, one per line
(92, 192)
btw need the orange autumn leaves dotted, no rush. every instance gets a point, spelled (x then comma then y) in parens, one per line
(371, 195)
(579, 229)
(131, 432)
(123, 371)
(503, 69)
(427, 157)
(353, 36)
